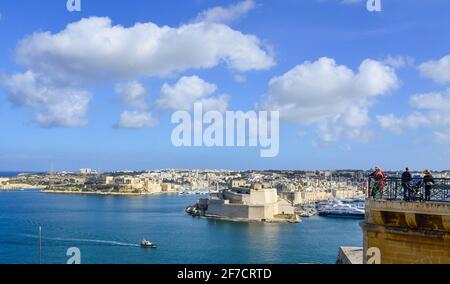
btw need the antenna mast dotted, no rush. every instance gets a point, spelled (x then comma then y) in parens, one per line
(40, 245)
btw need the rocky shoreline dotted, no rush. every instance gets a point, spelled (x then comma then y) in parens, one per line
(20, 187)
(295, 220)
(104, 193)
(241, 220)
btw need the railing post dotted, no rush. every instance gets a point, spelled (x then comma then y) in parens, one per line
(397, 189)
(367, 188)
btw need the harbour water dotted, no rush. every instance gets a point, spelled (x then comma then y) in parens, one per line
(109, 229)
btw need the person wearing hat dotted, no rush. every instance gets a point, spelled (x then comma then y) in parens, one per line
(379, 178)
(428, 181)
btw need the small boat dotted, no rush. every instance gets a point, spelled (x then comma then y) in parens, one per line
(307, 214)
(147, 244)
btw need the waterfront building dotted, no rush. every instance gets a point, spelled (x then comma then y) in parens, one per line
(345, 193)
(4, 181)
(306, 197)
(167, 187)
(109, 180)
(249, 203)
(317, 192)
(152, 186)
(87, 171)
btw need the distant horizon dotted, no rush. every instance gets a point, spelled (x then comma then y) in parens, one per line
(212, 169)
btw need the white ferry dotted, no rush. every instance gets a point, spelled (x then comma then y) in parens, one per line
(342, 210)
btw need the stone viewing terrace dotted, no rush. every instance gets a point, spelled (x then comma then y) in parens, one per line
(412, 231)
(394, 190)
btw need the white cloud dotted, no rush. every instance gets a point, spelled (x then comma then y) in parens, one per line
(132, 94)
(219, 103)
(240, 78)
(442, 137)
(432, 101)
(398, 61)
(437, 70)
(414, 120)
(350, 124)
(331, 96)
(391, 122)
(55, 106)
(226, 15)
(430, 111)
(92, 50)
(189, 90)
(136, 120)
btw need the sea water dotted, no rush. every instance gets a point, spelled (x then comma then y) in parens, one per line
(108, 229)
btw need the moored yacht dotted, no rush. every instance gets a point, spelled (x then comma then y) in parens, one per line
(342, 210)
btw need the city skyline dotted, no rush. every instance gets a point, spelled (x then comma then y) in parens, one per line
(97, 88)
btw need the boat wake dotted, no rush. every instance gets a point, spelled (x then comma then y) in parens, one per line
(105, 242)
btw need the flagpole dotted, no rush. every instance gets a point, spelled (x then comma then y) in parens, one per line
(40, 245)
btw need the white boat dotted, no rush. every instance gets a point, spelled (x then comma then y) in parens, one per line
(147, 244)
(306, 212)
(342, 210)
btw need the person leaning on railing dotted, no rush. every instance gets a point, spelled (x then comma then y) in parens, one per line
(379, 179)
(428, 181)
(406, 184)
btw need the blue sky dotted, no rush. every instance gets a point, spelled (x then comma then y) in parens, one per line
(354, 88)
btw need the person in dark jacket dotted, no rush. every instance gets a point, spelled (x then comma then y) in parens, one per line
(406, 184)
(428, 181)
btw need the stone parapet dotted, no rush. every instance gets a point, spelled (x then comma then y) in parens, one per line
(408, 232)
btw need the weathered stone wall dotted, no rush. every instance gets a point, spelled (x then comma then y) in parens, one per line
(264, 196)
(220, 209)
(260, 212)
(233, 197)
(283, 207)
(408, 232)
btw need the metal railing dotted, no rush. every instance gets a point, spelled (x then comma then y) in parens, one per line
(394, 189)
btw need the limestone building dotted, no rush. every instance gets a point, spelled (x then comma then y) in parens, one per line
(246, 203)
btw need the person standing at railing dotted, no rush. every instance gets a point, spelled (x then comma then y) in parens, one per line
(379, 181)
(406, 184)
(428, 181)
